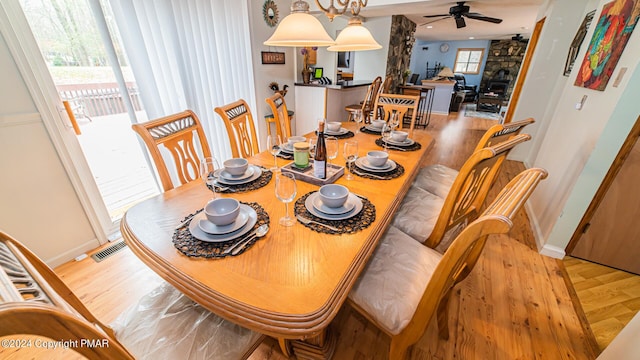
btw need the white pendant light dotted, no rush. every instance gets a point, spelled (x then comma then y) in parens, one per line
(300, 29)
(355, 37)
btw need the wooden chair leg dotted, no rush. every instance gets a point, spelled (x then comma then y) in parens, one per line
(443, 316)
(398, 350)
(285, 346)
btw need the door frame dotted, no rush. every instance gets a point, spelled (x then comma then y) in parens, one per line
(33, 69)
(616, 165)
(524, 69)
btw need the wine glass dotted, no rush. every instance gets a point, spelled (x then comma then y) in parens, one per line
(208, 167)
(357, 117)
(312, 147)
(332, 148)
(394, 120)
(386, 135)
(286, 192)
(350, 154)
(273, 144)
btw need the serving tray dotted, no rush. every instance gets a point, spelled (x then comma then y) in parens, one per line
(333, 173)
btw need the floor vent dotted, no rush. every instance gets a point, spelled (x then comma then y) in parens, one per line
(103, 254)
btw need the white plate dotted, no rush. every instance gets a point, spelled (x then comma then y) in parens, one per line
(213, 229)
(308, 203)
(345, 208)
(363, 164)
(342, 131)
(201, 235)
(407, 142)
(371, 128)
(227, 175)
(256, 174)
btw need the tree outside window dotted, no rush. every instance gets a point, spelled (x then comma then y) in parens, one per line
(468, 61)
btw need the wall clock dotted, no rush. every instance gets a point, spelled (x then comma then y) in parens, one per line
(444, 47)
(270, 13)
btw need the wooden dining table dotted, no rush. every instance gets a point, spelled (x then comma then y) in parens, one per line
(292, 282)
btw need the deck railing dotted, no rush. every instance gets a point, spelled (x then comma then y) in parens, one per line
(98, 99)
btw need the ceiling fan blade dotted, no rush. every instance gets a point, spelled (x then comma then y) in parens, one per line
(481, 17)
(431, 16)
(432, 21)
(460, 22)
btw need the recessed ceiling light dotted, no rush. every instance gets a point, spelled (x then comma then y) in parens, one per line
(471, 38)
(430, 27)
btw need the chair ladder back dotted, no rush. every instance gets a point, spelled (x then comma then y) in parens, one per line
(240, 128)
(281, 115)
(399, 105)
(176, 133)
(470, 188)
(500, 132)
(368, 105)
(35, 301)
(460, 258)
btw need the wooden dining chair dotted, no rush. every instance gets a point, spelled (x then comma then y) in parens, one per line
(163, 324)
(386, 85)
(438, 178)
(280, 115)
(240, 128)
(181, 134)
(398, 105)
(366, 105)
(405, 284)
(434, 217)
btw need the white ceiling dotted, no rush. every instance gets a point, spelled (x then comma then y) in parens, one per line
(518, 17)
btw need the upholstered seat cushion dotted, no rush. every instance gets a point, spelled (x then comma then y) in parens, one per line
(392, 284)
(418, 213)
(165, 324)
(436, 179)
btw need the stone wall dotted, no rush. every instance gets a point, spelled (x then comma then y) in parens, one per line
(400, 45)
(504, 55)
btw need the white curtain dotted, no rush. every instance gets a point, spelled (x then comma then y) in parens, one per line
(189, 54)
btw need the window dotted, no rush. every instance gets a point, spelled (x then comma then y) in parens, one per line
(468, 61)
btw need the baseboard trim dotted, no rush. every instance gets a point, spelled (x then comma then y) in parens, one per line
(553, 251)
(72, 253)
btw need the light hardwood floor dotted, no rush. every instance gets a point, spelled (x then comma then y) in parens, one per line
(610, 298)
(514, 305)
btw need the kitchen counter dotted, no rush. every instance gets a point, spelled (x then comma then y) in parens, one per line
(316, 101)
(338, 85)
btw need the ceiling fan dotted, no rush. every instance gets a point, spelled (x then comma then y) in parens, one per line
(459, 12)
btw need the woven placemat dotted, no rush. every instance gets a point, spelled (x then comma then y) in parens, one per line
(387, 175)
(367, 131)
(284, 155)
(263, 180)
(348, 226)
(348, 134)
(192, 247)
(413, 147)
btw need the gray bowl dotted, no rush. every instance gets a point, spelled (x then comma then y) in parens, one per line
(378, 124)
(334, 126)
(399, 135)
(222, 211)
(333, 195)
(236, 166)
(377, 158)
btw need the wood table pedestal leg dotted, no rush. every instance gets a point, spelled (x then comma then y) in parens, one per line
(318, 347)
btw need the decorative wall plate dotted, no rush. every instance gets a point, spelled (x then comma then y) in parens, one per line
(270, 13)
(444, 47)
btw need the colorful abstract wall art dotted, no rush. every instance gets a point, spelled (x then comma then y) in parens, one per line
(616, 23)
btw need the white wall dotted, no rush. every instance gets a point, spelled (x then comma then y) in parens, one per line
(373, 63)
(38, 205)
(265, 74)
(565, 138)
